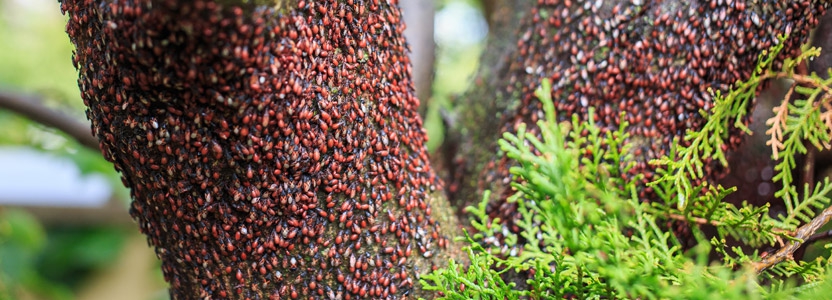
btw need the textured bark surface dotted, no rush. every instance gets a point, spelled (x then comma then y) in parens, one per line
(272, 150)
(652, 60)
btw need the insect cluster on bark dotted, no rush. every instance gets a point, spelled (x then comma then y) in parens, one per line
(652, 64)
(270, 151)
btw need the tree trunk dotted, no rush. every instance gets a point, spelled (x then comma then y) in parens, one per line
(273, 150)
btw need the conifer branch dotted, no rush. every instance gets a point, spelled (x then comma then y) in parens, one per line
(777, 123)
(802, 234)
(704, 221)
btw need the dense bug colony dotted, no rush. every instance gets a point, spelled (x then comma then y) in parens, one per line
(652, 60)
(271, 151)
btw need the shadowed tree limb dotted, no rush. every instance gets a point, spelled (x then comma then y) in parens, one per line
(33, 108)
(803, 235)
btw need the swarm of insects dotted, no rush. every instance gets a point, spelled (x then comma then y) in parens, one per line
(655, 61)
(271, 151)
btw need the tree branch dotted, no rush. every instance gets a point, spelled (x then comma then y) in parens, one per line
(31, 107)
(818, 236)
(808, 178)
(803, 234)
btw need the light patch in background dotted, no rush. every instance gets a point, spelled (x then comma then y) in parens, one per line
(20, 9)
(460, 31)
(33, 178)
(459, 23)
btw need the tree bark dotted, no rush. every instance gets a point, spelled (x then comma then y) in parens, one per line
(273, 150)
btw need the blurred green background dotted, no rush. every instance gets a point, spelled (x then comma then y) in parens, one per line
(67, 251)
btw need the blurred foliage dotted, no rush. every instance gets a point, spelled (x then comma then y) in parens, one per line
(73, 253)
(22, 241)
(36, 59)
(456, 63)
(51, 263)
(36, 53)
